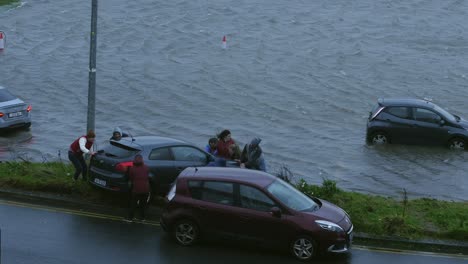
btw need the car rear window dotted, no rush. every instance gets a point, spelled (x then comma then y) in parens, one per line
(119, 151)
(5, 95)
(375, 111)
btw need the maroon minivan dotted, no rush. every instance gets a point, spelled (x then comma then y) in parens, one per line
(256, 206)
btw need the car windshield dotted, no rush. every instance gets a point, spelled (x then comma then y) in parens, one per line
(119, 150)
(445, 114)
(291, 197)
(6, 96)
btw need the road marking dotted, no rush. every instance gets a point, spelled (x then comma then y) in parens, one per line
(153, 223)
(409, 252)
(72, 212)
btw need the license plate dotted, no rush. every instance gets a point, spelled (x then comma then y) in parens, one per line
(100, 182)
(16, 114)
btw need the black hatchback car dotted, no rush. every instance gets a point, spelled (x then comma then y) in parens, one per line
(165, 157)
(415, 121)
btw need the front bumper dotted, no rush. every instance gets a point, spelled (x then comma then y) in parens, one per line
(342, 247)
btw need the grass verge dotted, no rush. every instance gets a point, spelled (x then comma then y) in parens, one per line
(7, 2)
(383, 216)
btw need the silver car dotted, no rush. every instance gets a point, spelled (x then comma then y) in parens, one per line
(14, 113)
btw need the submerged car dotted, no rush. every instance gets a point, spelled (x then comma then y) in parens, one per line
(165, 157)
(14, 112)
(415, 121)
(250, 205)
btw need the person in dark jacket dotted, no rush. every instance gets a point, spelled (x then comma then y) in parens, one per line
(252, 156)
(118, 134)
(138, 176)
(80, 146)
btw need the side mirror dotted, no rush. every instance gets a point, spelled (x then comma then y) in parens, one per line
(276, 212)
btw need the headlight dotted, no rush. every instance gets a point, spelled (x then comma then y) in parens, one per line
(329, 226)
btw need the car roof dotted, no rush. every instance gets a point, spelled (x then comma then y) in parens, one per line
(259, 178)
(154, 141)
(405, 102)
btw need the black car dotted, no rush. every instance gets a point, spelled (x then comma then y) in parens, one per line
(415, 121)
(165, 157)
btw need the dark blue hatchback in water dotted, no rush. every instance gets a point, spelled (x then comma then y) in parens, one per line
(415, 121)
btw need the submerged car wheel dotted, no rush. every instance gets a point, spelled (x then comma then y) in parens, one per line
(379, 138)
(303, 248)
(186, 232)
(457, 144)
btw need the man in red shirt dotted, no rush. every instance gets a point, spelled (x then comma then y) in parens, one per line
(139, 178)
(80, 146)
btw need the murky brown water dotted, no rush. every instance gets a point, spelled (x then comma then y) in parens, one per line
(300, 74)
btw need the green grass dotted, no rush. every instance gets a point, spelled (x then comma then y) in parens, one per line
(7, 2)
(411, 219)
(418, 218)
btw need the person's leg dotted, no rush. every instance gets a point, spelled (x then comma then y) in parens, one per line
(133, 204)
(76, 163)
(262, 165)
(143, 203)
(84, 168)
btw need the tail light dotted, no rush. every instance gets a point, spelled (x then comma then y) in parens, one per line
(1, 114)
(123, 166)
(29, 108)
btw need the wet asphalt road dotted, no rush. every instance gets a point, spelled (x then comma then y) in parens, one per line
(37, 234)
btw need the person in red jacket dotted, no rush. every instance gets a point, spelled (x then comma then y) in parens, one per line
(138, 176)
(80, 146)
(226, 146)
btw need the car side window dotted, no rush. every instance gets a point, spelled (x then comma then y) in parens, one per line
(425, 115)
(196, 189)
(218, 192)
(398, 111)
(188, 154)
(160, 154)
(255, 199)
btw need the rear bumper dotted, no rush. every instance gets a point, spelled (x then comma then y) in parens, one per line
(101, 180)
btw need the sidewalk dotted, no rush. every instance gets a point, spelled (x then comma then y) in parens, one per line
(154, 212)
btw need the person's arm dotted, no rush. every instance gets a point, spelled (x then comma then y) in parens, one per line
(256, 155)
(83, 148)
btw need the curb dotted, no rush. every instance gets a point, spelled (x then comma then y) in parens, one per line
(154, 212)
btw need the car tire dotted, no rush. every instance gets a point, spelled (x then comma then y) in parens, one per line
(186, 232)
(379, 138)
(303, 248)
(456, 143)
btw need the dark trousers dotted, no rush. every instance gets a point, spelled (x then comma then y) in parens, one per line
(140, 201)
(79, 164)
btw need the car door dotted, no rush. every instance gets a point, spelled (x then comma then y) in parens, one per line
(428, 127)
(255, 219)
(161, 165)
(214, 207)
(399, 124)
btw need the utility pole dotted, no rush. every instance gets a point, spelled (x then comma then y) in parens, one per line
(92, 67)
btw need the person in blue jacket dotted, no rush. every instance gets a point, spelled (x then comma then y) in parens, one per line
(212, 146)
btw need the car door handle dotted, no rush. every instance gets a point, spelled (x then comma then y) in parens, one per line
(201, 207)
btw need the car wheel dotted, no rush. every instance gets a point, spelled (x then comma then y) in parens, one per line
(379, 138)
(186, 232)
(457, 144)
(303, 248)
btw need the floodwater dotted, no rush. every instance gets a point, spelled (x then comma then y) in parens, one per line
(300, 74)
